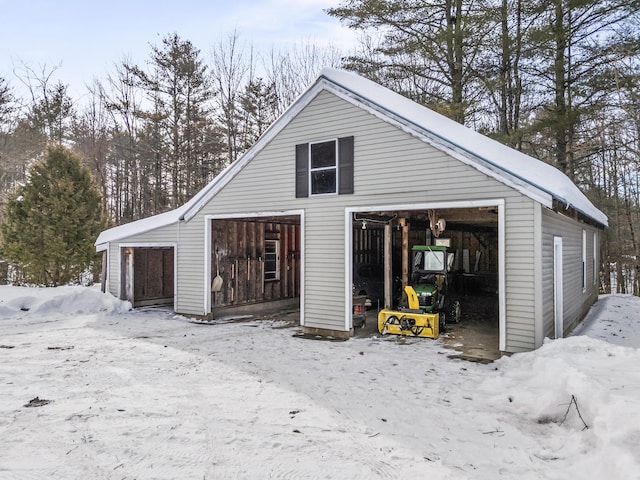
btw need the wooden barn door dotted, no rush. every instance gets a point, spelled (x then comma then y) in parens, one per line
(153, 275)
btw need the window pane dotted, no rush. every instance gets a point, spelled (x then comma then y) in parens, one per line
(323, 181)
(433, 260)
(417, 260)
(271, 270)
(323, 155)
(270, 267)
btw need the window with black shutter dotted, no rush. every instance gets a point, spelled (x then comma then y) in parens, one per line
(324, 167)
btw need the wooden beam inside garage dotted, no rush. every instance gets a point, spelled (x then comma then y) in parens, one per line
(388, 267)
(405, 252)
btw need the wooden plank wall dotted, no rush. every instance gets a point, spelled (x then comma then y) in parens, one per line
(153, 274)
(484, 242)
(368, 246)
(239, 246)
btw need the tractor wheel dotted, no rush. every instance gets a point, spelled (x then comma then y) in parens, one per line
(442, 317)
(455, 312)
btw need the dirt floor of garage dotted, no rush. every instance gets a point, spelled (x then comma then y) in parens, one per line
(474, 338)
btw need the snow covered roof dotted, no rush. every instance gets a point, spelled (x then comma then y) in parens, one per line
(139, 226)
(160, 220)
(529, 175)
(466, 141)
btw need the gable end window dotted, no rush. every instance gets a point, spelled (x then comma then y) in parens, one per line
(324, 167)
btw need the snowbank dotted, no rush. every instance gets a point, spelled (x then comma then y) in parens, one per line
(61, 300)
(579, 397)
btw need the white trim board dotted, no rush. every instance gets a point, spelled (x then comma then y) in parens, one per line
(525, 171)
(502, 280)
(232, 170)
(471, 160)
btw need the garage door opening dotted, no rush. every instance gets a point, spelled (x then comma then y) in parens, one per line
(255, 264)
(148, 275)
(473, 280)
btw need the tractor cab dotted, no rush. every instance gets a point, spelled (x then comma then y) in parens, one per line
(429, 304)
(431, 275)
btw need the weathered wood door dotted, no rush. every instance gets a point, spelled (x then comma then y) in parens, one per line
(153, 273)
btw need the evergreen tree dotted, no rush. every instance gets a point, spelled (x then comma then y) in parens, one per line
(52, 221)
(178, 86)
(427, 50)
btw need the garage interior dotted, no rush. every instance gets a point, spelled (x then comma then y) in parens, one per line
(258, 262)
(148, 275)
(471, 232)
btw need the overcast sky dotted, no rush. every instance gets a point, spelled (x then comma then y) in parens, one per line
(87, 38)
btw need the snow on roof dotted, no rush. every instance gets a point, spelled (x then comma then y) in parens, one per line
(160, 220)
(139, 226)
(531, 170)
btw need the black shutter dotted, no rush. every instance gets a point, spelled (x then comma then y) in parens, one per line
(302, 170)
(345, 148)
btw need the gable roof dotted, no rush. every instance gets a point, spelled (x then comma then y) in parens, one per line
(532, 177)
(510, 165)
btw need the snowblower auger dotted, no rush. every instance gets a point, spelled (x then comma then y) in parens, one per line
(409, 321)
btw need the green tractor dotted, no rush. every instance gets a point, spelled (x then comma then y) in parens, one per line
(432, 280)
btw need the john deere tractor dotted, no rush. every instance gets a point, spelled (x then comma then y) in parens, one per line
(430, 304)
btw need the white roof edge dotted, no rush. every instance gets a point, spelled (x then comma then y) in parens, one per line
(137, 227)
(187, 211)
(522, 186)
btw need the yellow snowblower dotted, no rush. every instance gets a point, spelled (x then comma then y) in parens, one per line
(409, 321)
(429, 302)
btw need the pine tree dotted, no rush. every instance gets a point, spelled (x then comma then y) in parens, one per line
(179, 89)
(427, 50)
(52, 221)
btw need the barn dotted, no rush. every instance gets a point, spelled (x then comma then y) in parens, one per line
(337, 191)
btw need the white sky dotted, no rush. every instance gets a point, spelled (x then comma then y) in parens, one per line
(87, 38)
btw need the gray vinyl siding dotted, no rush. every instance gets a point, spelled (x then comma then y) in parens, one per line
(519, 274)
(191, 267)
(423, 174)
(165, 234)
(576, 303)
(113, 269)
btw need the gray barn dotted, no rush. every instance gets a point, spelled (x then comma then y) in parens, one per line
(349, 176)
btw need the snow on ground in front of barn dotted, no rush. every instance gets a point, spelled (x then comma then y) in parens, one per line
(148, 394)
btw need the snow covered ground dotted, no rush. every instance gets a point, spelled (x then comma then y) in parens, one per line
(147, 394)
